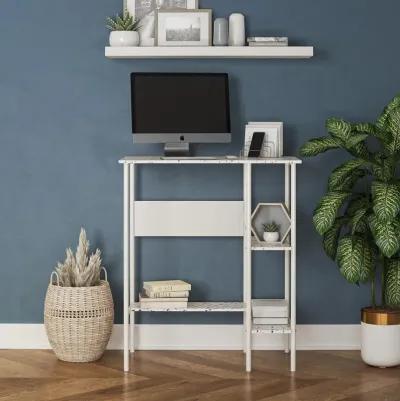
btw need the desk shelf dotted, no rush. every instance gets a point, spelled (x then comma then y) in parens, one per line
(195, 307)
(265, 246)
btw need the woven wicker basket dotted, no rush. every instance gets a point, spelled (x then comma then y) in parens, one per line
(78, 320)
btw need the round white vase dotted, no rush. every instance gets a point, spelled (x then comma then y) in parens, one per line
(380, 339)
(124, 38)
(271, 237)
(237, 34)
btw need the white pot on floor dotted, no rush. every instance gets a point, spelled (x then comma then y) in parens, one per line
(380, 337)
(124, 38)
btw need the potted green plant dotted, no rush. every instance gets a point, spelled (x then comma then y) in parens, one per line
(79, 309)
(124, 30)
(359, 220)
(271, 232)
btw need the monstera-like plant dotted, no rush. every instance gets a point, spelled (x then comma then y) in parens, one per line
(359, 220)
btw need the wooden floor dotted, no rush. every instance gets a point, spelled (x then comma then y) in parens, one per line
(198, 375)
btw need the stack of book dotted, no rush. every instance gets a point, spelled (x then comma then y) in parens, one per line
(165, 294)
(268, 41)
(270, 311)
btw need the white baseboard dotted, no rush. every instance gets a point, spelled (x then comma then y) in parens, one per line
(195, 337)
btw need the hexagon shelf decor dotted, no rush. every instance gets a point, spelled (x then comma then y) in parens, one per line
(270, 212)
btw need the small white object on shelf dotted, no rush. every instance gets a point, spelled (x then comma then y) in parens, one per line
(272, 145)
(237, 30)
(270, 308)
(168, 303)
(167, 285)
(212, 52)
(270, 320)
(268, 41)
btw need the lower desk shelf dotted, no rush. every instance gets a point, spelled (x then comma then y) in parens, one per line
(194, 307)
(271, 329)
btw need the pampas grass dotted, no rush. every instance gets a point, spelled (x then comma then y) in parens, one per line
(80, 270)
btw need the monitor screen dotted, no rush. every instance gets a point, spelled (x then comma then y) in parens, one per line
(180, 103)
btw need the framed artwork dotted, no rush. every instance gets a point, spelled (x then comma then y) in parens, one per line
(183, 27)
(273, 139)
(145, 10)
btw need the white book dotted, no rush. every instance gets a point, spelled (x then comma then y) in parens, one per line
(166, 285)
(268, 39)
(268, 44)
(270, 320)
(163, 303)
(270, 308)
(167, 294)
(145, 299)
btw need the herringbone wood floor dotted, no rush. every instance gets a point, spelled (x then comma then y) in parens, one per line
(192, 376)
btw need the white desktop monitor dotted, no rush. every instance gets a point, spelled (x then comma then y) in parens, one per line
(180, 108)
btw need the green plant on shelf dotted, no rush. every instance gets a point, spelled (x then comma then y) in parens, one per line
(271, 227)
(123, 22)
(359, 217)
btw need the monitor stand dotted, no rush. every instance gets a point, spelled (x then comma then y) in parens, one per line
(176, 149)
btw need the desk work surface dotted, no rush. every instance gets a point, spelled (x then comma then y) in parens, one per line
(208, 160)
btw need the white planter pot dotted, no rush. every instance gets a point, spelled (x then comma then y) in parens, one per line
(380, 338)
(271, 237)
(380, 345)
(124, 38)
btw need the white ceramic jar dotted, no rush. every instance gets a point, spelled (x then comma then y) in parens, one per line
(271, 236)
(237, 32)
(124, 38)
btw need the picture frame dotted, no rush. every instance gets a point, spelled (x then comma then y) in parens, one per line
(145, 10)
(273, 139)
(183, 27)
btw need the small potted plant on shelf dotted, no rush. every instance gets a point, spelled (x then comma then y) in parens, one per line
(271, 232)
(79, 309)
(359, 220)
(124, 30)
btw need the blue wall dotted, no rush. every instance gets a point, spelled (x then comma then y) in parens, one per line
(64, 122)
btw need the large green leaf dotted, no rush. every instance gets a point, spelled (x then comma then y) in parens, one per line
(326, 211)
(389, 121)
(316, 146)
(339, 128)
(387, 112)
(355, 259)
(355, 139)
(341, 173)
(386, 234)
(383, 167)
(392, 293)
(359, 222)
(386, 200)
(331, 237)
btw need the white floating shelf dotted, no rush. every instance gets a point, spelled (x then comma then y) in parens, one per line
(195, 307)
(250, 52)
(271, 329)
(265, 246)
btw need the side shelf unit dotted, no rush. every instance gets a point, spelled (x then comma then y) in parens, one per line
(209, 219)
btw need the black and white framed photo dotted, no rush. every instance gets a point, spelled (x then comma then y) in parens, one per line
(272, 145)
(183, 27)
(145, 10)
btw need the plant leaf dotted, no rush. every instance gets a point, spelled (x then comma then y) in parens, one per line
(386, 200)
(358, 221)
(384, 167)
(316, 146)
(339, 128)
(355, 259)
(326, 211)
(389, 121)
(331, 237)
(339, 174)
(392, 294)
(386, 235)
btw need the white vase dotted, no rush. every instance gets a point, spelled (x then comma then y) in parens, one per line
(380, 337)
(271, 237)
(124, 38)
(237, 35)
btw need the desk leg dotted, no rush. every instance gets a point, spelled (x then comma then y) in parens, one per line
(293, 269)
(287, 254)
(247, 259)
(132, 254)
(126, 266)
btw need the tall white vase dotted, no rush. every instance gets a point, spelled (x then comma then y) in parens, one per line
(237, 31)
